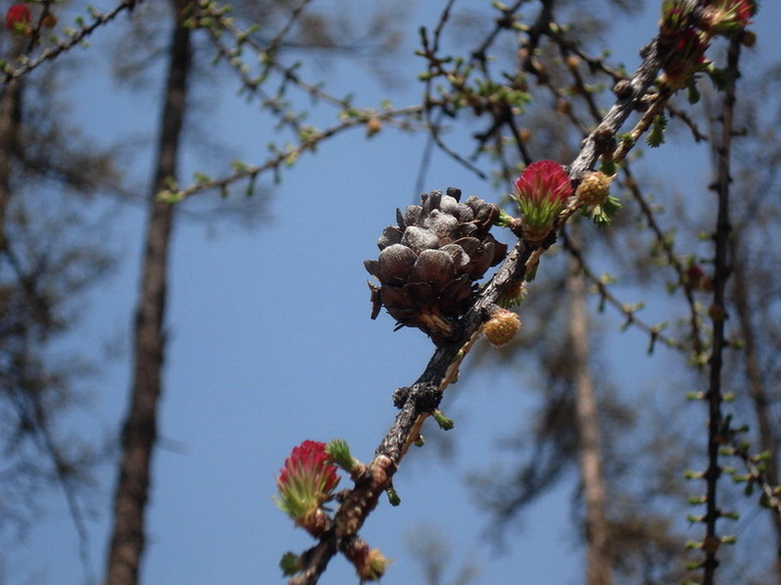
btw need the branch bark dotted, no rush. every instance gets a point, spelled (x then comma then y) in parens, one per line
(139, 433)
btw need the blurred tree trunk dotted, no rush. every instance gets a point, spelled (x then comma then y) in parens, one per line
(139, 433)
(599, 563)
(10, 105)
(760, 397)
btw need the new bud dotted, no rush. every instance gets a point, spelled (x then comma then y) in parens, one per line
(541, 191)
(18, 19)
(501, 327)
(307, 480)
(594, 188)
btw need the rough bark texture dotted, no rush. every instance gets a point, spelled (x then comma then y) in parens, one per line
(140, 428)
(599, 563)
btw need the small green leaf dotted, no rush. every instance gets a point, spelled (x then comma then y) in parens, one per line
(444, 422)
(290, 564)
(393, 497)
(655, 137)
(339, 451)
(693, 92)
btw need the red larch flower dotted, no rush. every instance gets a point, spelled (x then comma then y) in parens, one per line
(542, 180)
(696, 277)
(18, 18)
(675, 17)
(541, 191)
(726, 17)
(305, 482)
(687, 59)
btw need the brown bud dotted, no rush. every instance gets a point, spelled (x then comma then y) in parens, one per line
(594, 188)
(370, 564)
(604, 139)
(717, 312)
(513, 294)
(501, 327)
(524, 135)
(711, 544)
(622, 89)
(373, 126)
(563, 106)
(748, 39)
(49, 21)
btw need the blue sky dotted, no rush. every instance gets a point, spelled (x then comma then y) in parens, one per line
(271, 344)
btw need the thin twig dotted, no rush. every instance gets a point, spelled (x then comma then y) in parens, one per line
(295, 14)
(654, 333)
(50, 53)
(716, 430)
(698, 346)
(758, 476)
(265, 54)
(655, 108)
(285, 157)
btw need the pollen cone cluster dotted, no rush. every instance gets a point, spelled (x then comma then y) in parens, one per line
(430, 261)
